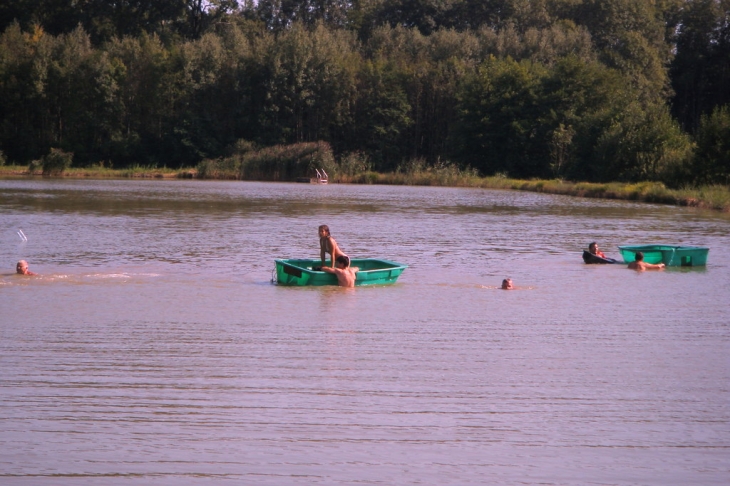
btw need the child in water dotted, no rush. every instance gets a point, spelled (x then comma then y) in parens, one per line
(327, 244)
(343, 271)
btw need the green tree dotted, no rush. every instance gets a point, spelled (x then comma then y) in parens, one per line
(150, 92)
(308, 80)
(712, 162)
(499, 127)
(629, 35)
(382, 114)
(54, 16)
(643, 145)
(24, 58)
(281, 14)
(701, 67)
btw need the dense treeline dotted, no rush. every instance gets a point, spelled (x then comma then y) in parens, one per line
(592, 90)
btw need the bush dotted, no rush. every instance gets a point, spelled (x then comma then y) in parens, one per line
(354, 163)
(712, 161)
(56, 162)
(288, 162)
(276, 163)
(227, 168)
(3, 160)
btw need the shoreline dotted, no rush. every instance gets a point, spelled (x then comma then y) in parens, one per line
(715, 197)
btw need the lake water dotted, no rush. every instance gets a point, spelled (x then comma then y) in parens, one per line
(153, 349)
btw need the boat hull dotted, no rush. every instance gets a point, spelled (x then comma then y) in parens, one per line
(671, 256)
(301, 273)
(590, 258)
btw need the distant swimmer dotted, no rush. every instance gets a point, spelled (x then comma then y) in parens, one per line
(507, 284)
(22, 268)
(640, 265)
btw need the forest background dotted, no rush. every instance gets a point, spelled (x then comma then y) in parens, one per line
(582, 90)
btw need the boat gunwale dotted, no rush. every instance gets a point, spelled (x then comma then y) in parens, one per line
(659, 247)
(392, 265)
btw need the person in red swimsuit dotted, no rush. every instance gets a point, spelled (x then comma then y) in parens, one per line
(593, 249)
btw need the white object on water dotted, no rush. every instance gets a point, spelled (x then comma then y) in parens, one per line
(22, 235)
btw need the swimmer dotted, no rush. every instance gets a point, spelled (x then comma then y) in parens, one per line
(22, 268)
(507, 284)
(343, 271)
(640, 265)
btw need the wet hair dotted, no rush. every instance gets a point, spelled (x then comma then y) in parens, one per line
(21, 264)
(639, 256)
(344, 260)
(591, 244)
(506, 282)
(325, 228)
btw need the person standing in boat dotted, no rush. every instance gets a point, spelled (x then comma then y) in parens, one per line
(640, 265)
(343, 271)
(327, 244)
(593, 250)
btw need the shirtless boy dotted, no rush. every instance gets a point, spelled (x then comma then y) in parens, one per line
(640, 265)
(343, 271)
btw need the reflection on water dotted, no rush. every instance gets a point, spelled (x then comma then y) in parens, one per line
(152, 348)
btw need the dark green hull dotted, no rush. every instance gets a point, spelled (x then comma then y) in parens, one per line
(372, 272)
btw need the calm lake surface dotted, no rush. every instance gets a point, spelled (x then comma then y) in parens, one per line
(153, 349)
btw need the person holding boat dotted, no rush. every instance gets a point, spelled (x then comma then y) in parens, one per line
(343, 271)
(327, 244)
(22, 268)
(640, 265)
(593, 249)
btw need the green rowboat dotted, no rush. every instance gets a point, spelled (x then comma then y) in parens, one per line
(671, 256)
(372, 272)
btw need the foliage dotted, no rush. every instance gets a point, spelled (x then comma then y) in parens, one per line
(574, 89)
(712, 163)
(353, 163)
(287, 162)
(279, 162)
(56, 162)
(700, 71)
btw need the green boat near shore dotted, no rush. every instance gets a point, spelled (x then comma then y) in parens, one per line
(372, 272)
(671, 256)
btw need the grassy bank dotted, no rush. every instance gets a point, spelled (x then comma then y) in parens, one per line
(715, 197)
(103, 173)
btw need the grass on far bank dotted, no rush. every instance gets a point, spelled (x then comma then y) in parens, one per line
(715, 197)
(95, 172)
